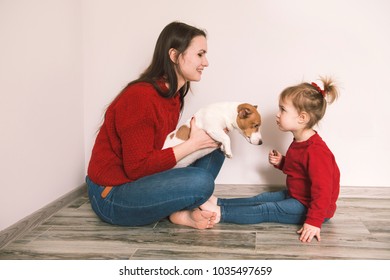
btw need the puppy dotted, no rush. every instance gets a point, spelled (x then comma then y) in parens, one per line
(217, 119)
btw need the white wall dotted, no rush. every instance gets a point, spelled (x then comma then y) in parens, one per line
(63, 61)
(256, 49)
(41, 107)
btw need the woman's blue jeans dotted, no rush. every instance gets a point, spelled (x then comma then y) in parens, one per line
(276, 207)
(149, 199)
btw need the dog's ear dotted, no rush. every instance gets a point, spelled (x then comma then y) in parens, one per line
(243, 112)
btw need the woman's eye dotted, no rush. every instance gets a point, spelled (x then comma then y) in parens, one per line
(201, 53)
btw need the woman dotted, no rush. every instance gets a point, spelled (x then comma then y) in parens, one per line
(130, 178)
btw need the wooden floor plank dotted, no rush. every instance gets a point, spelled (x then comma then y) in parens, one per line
(359, 230)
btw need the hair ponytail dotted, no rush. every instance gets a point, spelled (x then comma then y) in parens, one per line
(309, 97)
(330, 90)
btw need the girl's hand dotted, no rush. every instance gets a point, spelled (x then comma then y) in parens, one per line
(308, 232)
(274, 157)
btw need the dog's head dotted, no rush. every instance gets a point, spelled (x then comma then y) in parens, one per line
(249, 122)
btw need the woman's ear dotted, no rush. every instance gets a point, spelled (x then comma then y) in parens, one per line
(173, 55)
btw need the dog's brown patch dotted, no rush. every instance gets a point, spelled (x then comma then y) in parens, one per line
(248, 118)
(245, 109)
(183, 132)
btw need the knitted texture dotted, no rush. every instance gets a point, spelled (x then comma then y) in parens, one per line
(128, 145)
(313, 178)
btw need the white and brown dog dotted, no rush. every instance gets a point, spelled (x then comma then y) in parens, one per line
(217, 119)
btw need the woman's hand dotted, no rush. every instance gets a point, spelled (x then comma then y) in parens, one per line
(199, 139)
(308, 232)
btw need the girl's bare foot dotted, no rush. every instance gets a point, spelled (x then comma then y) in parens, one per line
(211, 205)
(213, 199)
(197, 218)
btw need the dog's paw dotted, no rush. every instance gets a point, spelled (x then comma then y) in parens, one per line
(227, 153)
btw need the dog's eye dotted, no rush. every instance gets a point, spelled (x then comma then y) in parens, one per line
(256, 126)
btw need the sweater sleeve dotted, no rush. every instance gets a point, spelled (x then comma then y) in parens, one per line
(137, 128)
(281, 164)
(320, 169)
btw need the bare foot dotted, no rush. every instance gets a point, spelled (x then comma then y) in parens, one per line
(213, 199)
(197, 218)
(209, 205)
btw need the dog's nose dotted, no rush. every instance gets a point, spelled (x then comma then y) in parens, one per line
(260, 142)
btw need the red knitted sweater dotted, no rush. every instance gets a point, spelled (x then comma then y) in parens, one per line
(128, 145)
(313, 178)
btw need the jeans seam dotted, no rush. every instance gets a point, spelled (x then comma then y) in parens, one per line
(100, 212)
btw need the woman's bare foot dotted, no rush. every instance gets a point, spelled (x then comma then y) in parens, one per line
(197, 218)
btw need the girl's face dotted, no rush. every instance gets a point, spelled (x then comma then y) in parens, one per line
(288, 118)
(192, 62)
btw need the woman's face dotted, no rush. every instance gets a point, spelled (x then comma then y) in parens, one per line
(192, 61)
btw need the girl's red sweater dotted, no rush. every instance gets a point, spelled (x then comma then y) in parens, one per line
(128, 145)
(313, 178)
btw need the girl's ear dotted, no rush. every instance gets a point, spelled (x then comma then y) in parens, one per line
(303, 118)
(173, 55)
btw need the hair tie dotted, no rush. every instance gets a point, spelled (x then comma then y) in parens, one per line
(323, 93)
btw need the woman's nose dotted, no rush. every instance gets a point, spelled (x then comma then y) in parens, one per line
(205, 62)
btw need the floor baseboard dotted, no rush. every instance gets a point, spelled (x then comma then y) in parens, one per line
(30, 222)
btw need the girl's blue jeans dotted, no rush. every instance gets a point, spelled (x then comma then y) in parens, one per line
(276, 207)
(152, 198)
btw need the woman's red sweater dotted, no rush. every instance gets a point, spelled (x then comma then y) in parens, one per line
(128, 145)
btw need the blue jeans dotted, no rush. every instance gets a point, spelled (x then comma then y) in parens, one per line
(276, 207)
(151, 198)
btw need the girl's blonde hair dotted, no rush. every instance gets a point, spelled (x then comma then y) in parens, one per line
(310, 98)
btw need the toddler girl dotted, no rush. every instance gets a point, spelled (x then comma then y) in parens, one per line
(313, 177)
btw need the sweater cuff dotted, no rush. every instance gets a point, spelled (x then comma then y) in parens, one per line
(168, 159)
(281, 164)
(314, 222)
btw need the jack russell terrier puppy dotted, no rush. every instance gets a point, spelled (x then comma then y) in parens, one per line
(217, 119)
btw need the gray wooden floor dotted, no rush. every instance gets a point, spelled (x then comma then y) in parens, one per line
(359, 230)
